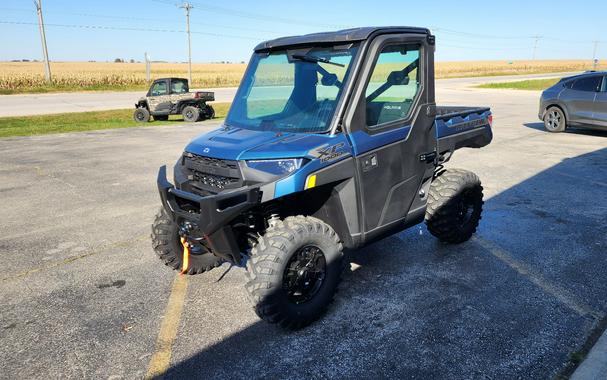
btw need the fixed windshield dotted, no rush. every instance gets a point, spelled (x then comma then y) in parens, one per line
(292, 90)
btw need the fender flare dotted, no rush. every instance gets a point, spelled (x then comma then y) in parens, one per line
(188, 102)
(142, 103)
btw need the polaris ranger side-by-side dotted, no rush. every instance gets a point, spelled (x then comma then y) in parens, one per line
(172, 96)
(333, 141)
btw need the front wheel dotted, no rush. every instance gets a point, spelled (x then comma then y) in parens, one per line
(294, 271)
(167, 245)
(141, 115)
(554, 120)
(455, 204)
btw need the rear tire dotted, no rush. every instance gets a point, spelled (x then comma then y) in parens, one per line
(167, 245)
(141, 115)
(190, 114)
(555, 120)
(455, 204)
(294, 271)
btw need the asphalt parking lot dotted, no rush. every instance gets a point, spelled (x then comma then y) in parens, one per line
(83, 295)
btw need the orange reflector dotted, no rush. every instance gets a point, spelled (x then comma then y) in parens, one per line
(186, 256)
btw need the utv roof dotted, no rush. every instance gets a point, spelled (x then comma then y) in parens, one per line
(346, 35)
(170, 78)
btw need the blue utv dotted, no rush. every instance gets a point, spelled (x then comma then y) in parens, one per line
(333, 141)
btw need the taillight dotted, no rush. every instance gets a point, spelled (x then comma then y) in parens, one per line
(197, 95)
(490, 118)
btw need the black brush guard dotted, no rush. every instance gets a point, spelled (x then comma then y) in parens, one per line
(211, 215)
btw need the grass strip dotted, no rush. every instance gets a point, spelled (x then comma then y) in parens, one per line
(84, 121)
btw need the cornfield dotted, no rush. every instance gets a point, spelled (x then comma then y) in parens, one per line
(18, 77)
(22, 77)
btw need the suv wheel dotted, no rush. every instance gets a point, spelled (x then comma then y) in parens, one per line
(554, 120)
(190, 114)
(294, 271)
(167, 245)
(141, 115)
(455, 204)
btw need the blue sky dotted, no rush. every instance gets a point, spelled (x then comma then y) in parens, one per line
(228, 30)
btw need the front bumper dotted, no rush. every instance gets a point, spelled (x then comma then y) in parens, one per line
(211, 215)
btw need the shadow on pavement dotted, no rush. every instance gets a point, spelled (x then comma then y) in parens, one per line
(578, 131)
(416, 308)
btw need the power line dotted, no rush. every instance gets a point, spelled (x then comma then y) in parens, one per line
(130, 29)
(147, 19)
(255, 16)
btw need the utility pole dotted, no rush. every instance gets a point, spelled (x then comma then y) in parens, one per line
(47, 66)
(537, 40)
(187, 6)
(595, 61)
(147, 68)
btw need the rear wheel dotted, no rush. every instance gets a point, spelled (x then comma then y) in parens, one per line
(554, 120)
(294, 271)
(167, 245)
(190, 114)
(141, 115)
(455, 204)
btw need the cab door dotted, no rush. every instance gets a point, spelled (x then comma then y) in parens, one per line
(391, 129)
(159, 100)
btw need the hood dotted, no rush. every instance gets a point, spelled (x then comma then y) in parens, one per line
(243, 144)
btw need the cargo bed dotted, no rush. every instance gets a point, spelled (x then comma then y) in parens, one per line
(462, 127)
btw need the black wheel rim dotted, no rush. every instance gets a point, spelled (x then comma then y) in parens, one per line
(189, 114)
(140, 116)
(304, 274)
(466, 208)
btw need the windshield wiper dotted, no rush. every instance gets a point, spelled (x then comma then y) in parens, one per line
(310, 58)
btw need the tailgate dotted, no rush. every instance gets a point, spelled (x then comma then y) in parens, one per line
(462, 127)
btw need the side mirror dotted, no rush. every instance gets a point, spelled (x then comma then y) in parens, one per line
(398, 78)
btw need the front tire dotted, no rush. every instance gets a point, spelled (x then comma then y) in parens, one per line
(294, 271)
(555, 120)
(455, 204)
(141, 115)
(167, 245)
(190, 114)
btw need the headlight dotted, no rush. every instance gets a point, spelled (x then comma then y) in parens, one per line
(277, 167)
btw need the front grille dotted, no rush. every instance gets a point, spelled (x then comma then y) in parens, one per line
(209, 175)
(215, 181)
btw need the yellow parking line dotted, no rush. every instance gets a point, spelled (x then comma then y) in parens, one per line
(168, 329)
